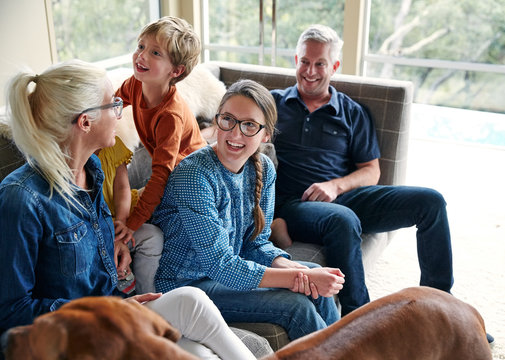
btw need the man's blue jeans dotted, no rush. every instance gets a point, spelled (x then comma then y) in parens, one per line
(297, 313)
(338, 227)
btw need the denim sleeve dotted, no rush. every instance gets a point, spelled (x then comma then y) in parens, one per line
(20, 237)
(261, 250)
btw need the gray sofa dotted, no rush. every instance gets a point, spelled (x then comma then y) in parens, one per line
(388, 102)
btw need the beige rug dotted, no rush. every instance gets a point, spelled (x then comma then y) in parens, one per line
(477, 218)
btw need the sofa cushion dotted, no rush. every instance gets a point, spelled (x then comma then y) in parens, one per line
(10, 157)
(274, 334)
(258, 345)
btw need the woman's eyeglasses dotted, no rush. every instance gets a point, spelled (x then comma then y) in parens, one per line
(116, 105)
(247, 127)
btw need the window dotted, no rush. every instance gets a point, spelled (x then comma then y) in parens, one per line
(453, 51)
(100, 31)
(263, 32)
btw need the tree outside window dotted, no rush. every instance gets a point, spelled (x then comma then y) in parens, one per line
(95, 30)
(464, 31)
(234, 26)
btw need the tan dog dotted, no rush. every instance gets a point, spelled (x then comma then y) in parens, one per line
(415, 323)
(94, 328)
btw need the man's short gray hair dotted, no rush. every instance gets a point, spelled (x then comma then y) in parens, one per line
(322, 34)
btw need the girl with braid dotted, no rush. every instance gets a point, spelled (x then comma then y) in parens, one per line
(216, 213)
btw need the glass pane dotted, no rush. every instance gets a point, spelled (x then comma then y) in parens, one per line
(458, 125)
(236, 23)
(446, 87)
(295, 16)
(463, 30)
(94, 30)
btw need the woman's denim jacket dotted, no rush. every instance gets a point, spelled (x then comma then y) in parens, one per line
(50, 251)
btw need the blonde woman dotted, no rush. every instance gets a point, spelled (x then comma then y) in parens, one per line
(57, 238)
(216, 214)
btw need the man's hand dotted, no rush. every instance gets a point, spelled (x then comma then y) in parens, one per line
(325, 191)
(367, 173)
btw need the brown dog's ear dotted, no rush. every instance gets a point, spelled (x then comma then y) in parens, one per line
(17, 346)
(48, 338)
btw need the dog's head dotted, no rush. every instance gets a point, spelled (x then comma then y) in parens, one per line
(96, 328)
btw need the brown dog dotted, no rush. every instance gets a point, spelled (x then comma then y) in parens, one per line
(94, 328)
(415, 323)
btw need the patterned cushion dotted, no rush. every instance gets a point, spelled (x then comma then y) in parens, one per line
(258, 345)
(10, 157)
(274, 334)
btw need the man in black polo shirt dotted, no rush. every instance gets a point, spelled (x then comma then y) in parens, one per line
(328, 173)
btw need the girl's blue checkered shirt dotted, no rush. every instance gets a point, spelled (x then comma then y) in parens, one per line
(206, 215)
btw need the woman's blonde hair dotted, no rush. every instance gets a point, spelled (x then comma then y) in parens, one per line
(180, 41)
(41, 109)
(265, 101)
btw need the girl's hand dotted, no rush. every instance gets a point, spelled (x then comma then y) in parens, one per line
(123, 233)
(302, 285)
(328, 281)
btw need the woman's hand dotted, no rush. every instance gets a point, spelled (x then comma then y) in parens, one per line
(142, 299)
(123, 233)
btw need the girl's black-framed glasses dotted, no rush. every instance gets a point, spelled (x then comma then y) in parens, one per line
(227, 122)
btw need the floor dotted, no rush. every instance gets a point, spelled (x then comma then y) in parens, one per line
(471, 176)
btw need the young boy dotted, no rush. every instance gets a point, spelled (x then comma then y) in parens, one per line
(167, 51)
(147, 242)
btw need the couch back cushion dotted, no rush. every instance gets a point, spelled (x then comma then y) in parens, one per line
(387, 101)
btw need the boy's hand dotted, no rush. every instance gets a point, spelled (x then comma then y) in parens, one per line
(123, 233)
(122, 258)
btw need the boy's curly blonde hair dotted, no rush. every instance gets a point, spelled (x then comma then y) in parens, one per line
(180, 41)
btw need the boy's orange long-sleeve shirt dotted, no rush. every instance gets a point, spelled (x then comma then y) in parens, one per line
(169, 132)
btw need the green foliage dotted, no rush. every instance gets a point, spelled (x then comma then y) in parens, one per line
(236, 23)
(468, 31)
(94, 30)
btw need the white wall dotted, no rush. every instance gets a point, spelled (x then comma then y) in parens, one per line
(24, 37)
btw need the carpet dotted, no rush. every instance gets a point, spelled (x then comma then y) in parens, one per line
(475, 196)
